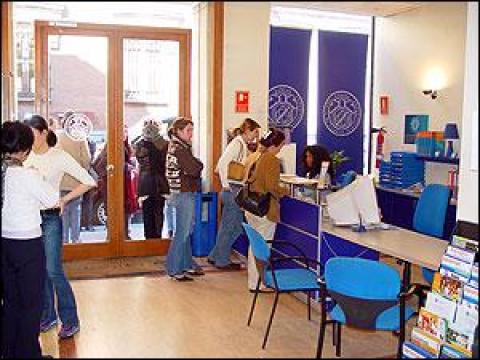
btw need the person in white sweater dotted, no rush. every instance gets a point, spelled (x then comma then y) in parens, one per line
(53, 164)
(232, 215)
(24, 192)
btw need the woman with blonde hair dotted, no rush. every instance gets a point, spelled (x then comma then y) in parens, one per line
(232, 215)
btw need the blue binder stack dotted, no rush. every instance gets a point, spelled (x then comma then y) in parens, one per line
(406, 169)
(385, 174)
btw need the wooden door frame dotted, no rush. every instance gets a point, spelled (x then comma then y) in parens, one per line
(8, 87)
(118, 245)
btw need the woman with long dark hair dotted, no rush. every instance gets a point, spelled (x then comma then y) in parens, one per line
(24, 193)
(312, 158)
(232, 215)
(53, 164)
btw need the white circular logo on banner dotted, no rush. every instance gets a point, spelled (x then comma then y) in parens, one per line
(342, 113)
(285, 107)
(78, 127)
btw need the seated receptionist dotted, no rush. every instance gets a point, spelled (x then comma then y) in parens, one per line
(312, 158)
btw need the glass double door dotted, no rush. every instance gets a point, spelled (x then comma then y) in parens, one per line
(99, 86)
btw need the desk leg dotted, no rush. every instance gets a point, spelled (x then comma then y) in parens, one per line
(407, 274)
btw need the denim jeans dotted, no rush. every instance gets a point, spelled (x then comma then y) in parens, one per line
(170, 215)
(230, 229)
(71, 219)
(179, 257)
(56, 281)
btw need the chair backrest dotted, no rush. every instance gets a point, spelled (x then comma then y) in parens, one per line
(362, 288)
(362, 278)
(431, 210)
(260, 249)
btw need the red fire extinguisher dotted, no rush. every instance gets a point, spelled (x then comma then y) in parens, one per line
(380, 140)
(452, 181)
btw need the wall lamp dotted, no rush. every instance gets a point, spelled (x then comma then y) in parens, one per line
(432, 93)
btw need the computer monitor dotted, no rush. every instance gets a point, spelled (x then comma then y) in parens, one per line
(366, 200)
(342, 208)
(355, 203)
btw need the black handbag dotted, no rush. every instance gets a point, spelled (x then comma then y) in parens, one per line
(251, 201)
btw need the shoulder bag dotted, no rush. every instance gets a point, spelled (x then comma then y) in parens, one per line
(236, 169)
(251, 201)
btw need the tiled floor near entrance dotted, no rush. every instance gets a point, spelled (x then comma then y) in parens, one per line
(158, 317)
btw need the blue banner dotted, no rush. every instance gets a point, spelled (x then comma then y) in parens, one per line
(342, 59)
(288, 83)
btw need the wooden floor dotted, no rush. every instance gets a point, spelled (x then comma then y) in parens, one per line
(159, 317)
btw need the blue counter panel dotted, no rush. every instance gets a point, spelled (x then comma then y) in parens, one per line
(307, 244)
(299, 214)
(332, 246)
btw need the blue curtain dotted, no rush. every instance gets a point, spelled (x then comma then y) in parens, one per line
(288, 83)
(342, 61)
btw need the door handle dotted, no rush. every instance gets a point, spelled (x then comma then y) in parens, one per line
(110, 169)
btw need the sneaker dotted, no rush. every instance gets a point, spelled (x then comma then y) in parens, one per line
(231, 266)
(181, 277)
(195, 272)
(47, 325)
(68, 331)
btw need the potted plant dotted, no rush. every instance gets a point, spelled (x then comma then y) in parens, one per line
(337, 159)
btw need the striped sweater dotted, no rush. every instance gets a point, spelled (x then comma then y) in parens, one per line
(183, 169)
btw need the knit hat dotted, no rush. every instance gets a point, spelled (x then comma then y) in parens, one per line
(151, 130)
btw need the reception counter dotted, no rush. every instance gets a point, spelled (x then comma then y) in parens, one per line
(302, 222)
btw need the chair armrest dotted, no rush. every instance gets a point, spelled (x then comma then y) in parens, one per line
(287, 258)
(283, 242)
(307, 261)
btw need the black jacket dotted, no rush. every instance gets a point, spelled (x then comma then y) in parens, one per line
(151, 158)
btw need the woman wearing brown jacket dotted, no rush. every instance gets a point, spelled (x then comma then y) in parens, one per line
(183, 171)
(265, 177)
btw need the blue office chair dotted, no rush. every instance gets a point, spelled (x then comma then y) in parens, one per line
(367, 296)
(429, 217)
(281, 280)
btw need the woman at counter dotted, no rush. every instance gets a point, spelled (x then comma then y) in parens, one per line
(312, 158)
(232, 215)
(265, 177)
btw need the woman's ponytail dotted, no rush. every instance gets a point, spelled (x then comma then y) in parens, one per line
(51, 138)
